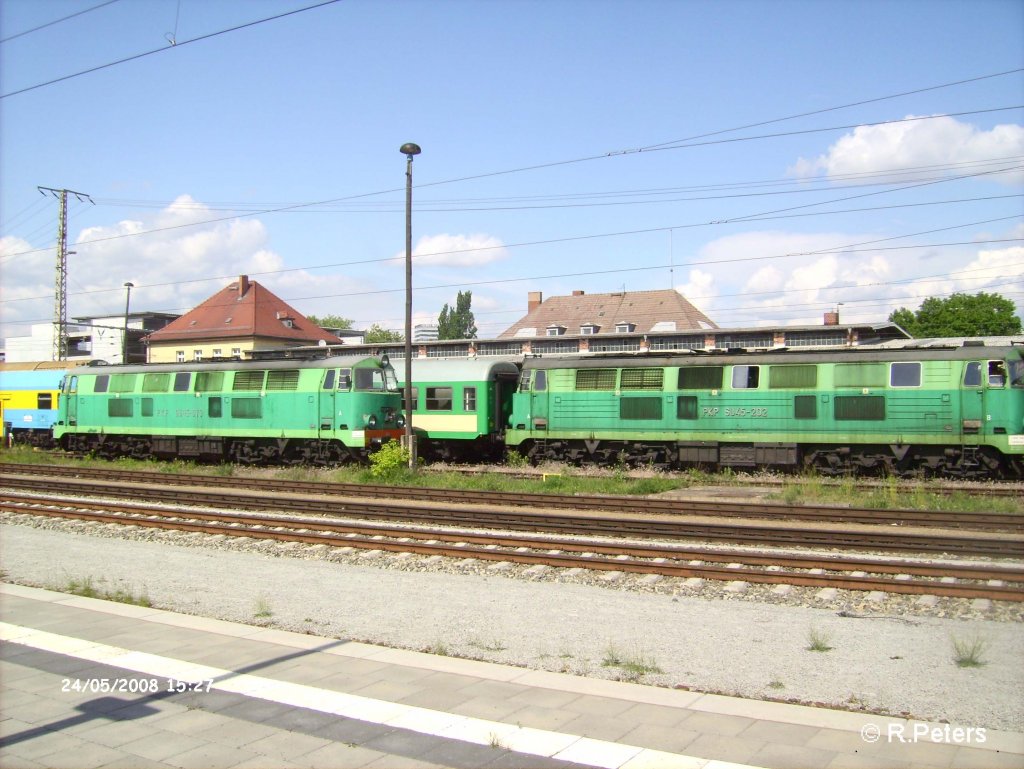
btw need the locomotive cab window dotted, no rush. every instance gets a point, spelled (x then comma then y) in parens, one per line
(996, 373)
(745, 377)
(370, 379)
(345, 379)
(905, 375)
(972, 374)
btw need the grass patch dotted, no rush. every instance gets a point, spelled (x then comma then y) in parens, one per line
(262, 609)
(87, 588)
(818, 640)
(967, 652)
(634, 666)
(494, 645)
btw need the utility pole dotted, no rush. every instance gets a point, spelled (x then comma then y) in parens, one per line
(60, 287)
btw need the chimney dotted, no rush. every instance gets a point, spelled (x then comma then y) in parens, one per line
(578, 293)
(534, 300)
(832, 318)
(243, 285)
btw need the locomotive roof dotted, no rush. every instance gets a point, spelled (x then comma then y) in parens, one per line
(457, 369)
(660, 358)
(337, 361)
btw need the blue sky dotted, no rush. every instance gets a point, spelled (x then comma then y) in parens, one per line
(273, 151)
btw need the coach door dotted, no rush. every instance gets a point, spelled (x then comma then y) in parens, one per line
(972, 399)
(327, 403)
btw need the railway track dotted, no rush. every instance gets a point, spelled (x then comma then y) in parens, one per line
(992, 582)
(619, 504)
(836, 536)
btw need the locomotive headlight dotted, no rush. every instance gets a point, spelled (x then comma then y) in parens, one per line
(372, 421)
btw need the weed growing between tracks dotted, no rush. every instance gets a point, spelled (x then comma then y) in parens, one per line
(806, 488)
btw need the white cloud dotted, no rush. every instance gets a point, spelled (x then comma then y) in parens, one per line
(456, 251)
(174, 268)
(941, 141)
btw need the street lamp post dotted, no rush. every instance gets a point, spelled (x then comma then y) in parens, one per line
(410, 150)
(127, 302)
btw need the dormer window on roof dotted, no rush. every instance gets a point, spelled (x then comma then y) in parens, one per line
(625, 327)
(555, 330)
(588, 329)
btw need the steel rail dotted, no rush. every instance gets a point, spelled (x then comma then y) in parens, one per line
(863, 537)
(764, 510)
(301, 532)
(15, 503)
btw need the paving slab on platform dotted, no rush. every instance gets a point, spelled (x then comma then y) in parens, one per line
(71, 670)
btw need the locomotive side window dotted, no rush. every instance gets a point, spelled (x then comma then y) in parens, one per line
(745, 377)
(122, 383)
(147, 407)
(701, 378)
(101, 384)
(859, 408)
(469, 399)
(216, 407)
(540, 381)
(595, 379)
(905, 375)
(155, 383)
(329, 379)
(209, 381)
(859, 375)
(439, 399)
(283, 379)
(686, 407)
(182, 381)
(640, 408)
(1016, 368)
(972, 374)
(246, 408)
(792, 377)
(805, 407)
(248, 380)
(119, 407)
(642, 378)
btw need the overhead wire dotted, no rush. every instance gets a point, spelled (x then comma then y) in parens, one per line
(56, 21)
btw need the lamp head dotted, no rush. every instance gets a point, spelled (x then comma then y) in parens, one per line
(409, 149)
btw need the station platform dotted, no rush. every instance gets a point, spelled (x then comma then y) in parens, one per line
(86, 683)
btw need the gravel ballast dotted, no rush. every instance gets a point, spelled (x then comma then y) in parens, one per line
(881, 659)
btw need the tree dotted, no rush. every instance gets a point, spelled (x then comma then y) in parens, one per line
(457, 323)
(330, 321)
(960, 315)
(377, 334)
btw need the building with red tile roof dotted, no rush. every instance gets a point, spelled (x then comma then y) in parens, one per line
(242, 317)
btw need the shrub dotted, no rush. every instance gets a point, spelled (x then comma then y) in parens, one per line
(389, 461)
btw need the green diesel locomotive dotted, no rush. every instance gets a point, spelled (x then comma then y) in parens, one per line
(324, 411)
(955, 410)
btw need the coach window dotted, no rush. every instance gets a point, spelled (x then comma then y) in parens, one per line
(439, 399)
(182, 381)
(415, 399)
(469, 399)
(745, 377)
(905, 375)
(44, 401)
